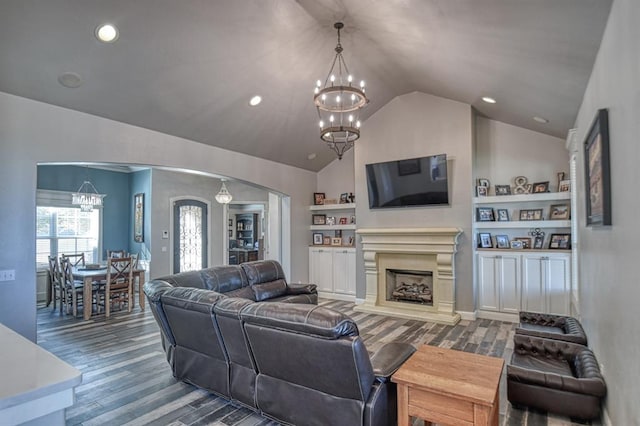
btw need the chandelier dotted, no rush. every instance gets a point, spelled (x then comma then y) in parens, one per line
(87, 196)
(338, 102)
(223, 197)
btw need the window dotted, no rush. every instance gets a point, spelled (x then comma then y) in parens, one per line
(65, 229)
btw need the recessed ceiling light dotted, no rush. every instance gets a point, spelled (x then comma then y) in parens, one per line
(488, 100)
(70, 80)
(311, 156)
(255, 100)
(541, 120)
(107, 33)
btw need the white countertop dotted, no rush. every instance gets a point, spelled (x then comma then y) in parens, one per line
(29, 372)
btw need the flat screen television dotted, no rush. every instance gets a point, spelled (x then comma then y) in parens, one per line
(408, 183)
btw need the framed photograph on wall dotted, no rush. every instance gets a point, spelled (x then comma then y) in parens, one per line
(597, 171)
(138, 218)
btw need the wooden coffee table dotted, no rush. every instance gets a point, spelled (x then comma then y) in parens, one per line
(449, 387)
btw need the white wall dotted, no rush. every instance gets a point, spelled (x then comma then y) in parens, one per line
(32, 132)
(609, 287)
(504, 151)
(337, 177)
(416, 125)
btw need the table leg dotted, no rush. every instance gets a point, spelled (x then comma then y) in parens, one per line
(140, 292)
(403, 406)
(87, 305)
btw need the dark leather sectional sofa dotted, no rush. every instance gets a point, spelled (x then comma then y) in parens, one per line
(244, 333)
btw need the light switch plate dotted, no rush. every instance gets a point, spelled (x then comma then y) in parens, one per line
(8, 275)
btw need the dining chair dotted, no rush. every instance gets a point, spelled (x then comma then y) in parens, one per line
(76, 259)
(119, 287)
(57, 293)
(73, 290)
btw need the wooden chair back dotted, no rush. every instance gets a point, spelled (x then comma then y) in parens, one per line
(76, 259)
(116, 254)
(54, 270)
(119, 271)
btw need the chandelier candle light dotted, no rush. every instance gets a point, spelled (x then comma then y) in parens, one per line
(87, 197)
(338, 102)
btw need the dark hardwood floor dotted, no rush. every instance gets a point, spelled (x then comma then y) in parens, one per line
(127, 381)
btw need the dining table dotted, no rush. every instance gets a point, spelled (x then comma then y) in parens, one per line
(90, 274)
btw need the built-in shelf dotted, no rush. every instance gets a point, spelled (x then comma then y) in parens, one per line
(347, 206)
(513, 224)
(332, 227)
(533, 251)
(523, 198)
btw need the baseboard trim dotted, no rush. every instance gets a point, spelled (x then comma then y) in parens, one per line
(336, 296)
(499, 316)
(468, 316)
(359, 301)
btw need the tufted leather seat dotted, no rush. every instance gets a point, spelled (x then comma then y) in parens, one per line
(554, 327)
(555, 376)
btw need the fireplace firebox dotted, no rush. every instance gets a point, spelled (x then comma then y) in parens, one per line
(410, 286)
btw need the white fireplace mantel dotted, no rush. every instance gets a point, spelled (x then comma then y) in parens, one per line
(431, 248)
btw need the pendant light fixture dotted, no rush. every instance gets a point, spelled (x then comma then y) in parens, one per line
(224, 196)
(87, 196)
(338, 102)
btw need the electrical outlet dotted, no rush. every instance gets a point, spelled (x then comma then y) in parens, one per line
(8, 275)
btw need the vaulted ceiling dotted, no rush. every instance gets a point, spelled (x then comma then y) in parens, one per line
(188, 68)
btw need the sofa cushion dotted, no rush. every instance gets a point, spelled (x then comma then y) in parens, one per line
(185, 279)
(262, 271)
(243, 292)
(269, 290)
(224, 279)
(305, 319)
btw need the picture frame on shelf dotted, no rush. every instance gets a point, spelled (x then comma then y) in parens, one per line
(344, 198)
(336, 241)
(540, 187)
(484, 240)
(482, 191)
(597, 171)
(503, 189)
(565, 186)
(352, 220)
(502, 241)
(503, 215)
(484, 182)
(531, 214)
(337, 233)
(318, 238)
(538, 243)
(560, 179)
(516, 245)
(326, 240)
(318, 198)
(526, 242)
(559, 212)
(484, 214)
(343, 221)
(319, 219)
(350, 241)
(329, 201)
(330, 220)
(560, 242)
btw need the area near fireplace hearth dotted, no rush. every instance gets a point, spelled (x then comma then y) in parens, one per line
(410, 272)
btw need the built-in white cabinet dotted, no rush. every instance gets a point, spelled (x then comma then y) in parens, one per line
(499, 282)
(546, 280)
(510, 282)
(333, 270)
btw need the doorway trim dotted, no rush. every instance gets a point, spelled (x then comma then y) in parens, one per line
(172, 201)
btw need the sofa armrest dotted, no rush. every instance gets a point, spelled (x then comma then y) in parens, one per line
(389, 358)
(538, 318)
(301, 289)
